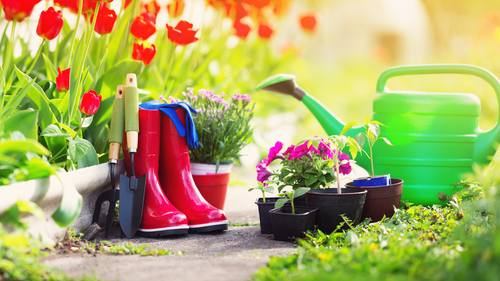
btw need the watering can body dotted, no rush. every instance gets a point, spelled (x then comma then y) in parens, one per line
(436, 136)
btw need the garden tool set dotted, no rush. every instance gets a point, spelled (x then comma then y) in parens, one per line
(435, 135)
(164, 200)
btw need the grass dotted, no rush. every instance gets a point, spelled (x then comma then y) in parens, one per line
(457, 242)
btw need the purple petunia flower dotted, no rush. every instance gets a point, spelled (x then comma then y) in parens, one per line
(299, 151)
(273, 151)
(263, 173)
(344, 168)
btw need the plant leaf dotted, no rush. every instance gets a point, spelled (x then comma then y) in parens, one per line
(90, 159)
(28, 121)
(280, 202)
(387, 141)
(78, 148)
(347, 127)
(300, 191)
(70, 206)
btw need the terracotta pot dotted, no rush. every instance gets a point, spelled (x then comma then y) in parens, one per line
(331, 205)
(381, 200)
(212, 185)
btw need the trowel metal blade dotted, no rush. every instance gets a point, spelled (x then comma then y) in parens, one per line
(131, 203)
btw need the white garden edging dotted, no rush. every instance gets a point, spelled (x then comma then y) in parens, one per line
(90, 182)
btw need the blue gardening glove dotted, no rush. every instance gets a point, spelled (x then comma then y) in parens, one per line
(169, 109)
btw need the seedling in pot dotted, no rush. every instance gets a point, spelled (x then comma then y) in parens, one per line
(372, 132)
(290, 196)
(263, 187)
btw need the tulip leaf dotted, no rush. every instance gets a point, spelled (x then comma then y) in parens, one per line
(70, 206)
(56, 142)
(28, 119)
(2, 86)
(50, 68)
(90, 159)
(39, 100)
(75, 75)
(15, 100)
(68, 129)
(22, 146)
(122, 34)
(78, 148)
(107, 83)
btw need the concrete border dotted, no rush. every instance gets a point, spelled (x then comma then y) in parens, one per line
(47, 194)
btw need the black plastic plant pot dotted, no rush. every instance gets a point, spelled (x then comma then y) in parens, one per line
(288, 226)
(300, 201)
(331, 205)
(264, 217)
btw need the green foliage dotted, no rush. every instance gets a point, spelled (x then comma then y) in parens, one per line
(457, 242)
(290, 196)
(131, 249)
(19, 251)
(371, 134)
(263, 189)
(223, 127)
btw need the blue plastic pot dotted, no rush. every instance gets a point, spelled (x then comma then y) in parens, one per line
(373, 181)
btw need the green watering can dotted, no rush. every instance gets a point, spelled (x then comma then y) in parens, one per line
(436, 136)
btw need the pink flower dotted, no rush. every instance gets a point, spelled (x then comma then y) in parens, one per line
(173, 100)
(194, 98)
(190, 89)
(274, 151)
(263, 173)
(299, 151)
(288, 151)
(344, 168)
(223, 94)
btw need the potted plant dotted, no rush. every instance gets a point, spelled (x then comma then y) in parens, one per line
(290, 222)
(313, 163)
(223, 129)
(265, 205)
(384, 193)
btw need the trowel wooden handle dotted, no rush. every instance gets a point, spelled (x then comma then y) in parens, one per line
(132, 112)
(117, 124)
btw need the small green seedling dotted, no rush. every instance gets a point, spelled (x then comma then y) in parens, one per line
(289, 196)
(263, 189)
(372, 132)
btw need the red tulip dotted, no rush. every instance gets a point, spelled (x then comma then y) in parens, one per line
(176, 8)
(309, 21)
(90, 103)
(87, 8)
(242, 10)
(50, 24)
(143, 26)
(260, 3)
(242, 27)
(18, 10)
(65, 3)
(127, 2)
(103, 1)
(182, 34)
(265, 30)
(144, 52)
(62, 80)
(152, 7)
(106, 19)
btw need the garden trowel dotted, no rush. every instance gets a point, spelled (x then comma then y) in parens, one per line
(131, 189)
(115, 140)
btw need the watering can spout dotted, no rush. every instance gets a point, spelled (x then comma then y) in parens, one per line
(286, 84)
(486, 145)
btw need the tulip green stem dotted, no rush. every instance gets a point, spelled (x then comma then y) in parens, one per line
(37, 56)
(81, 124)
(9, 54)
(170, 63)
(80, 7)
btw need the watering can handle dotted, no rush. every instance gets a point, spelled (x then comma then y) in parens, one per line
(440, 69)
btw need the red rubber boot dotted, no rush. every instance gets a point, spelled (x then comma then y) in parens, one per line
(177, 181)
(159, 216)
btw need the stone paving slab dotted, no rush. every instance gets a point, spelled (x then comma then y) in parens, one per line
(230, 255)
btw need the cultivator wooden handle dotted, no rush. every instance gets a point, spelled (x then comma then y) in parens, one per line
(117, 124)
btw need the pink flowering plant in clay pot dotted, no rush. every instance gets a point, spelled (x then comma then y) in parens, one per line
(222, 124)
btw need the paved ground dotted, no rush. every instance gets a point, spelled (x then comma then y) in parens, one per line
(232, 255)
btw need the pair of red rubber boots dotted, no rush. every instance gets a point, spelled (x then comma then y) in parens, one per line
(172, 203)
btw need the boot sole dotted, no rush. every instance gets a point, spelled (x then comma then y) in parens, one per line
(168, 231)
(208, 227)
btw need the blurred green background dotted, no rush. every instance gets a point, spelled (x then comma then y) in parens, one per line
(356, 40)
